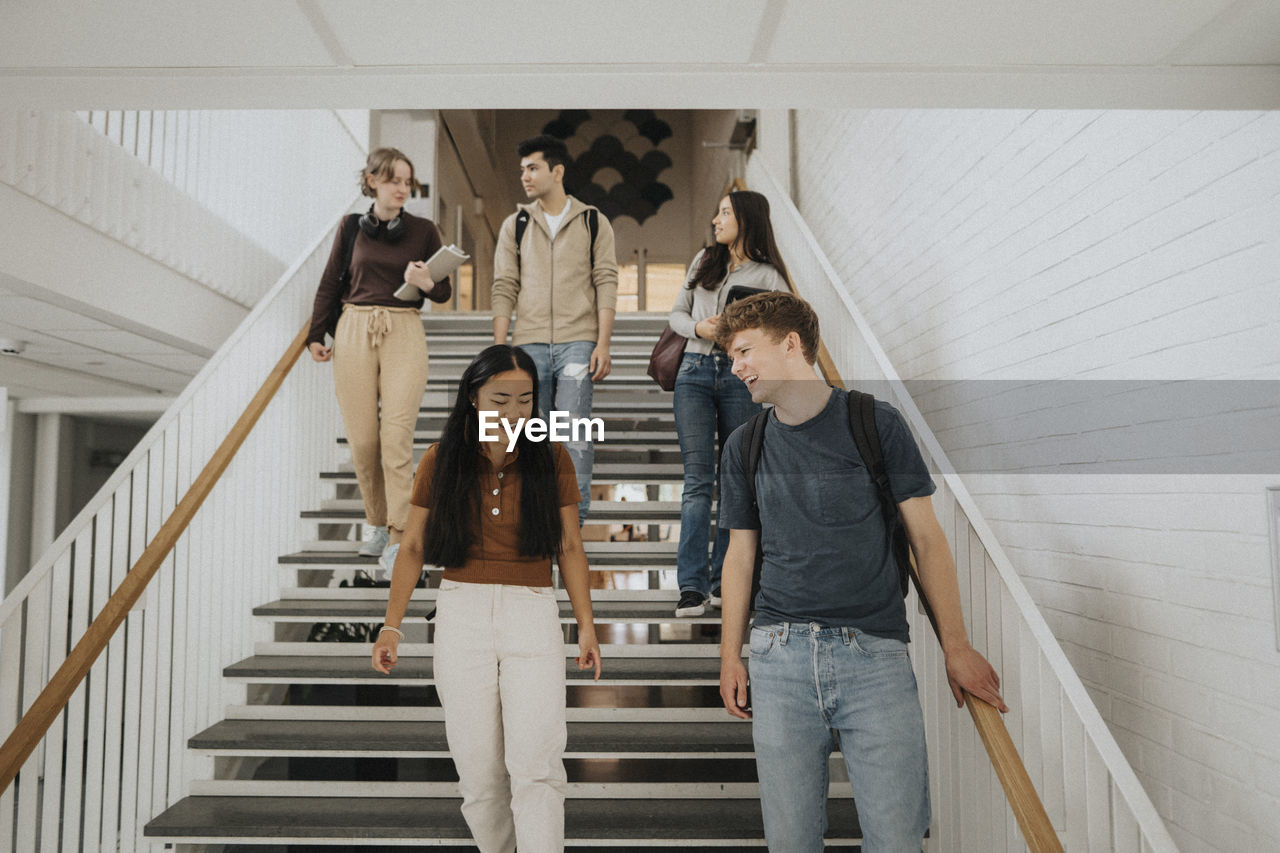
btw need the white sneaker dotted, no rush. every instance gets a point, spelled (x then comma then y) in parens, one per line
(375, 544)
(387, 561)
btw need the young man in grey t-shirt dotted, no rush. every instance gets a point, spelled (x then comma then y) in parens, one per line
(829, 644)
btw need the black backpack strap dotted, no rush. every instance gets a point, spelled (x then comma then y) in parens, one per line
(862, 423)
(352, 226)
(350, 229)
(522, 224)
(593, 228)
(752, 446)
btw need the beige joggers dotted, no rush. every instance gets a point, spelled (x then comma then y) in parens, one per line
(380, 353)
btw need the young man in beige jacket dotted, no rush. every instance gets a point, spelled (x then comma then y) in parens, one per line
(554, 266)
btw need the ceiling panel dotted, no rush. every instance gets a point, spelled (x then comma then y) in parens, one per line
(41, 316)
(120, 342)
(182, 362)
(403, 32)
(1248, 35)
(158, 33)
(987, 32)
(29, 379)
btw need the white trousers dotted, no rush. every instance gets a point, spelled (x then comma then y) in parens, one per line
(500, 672)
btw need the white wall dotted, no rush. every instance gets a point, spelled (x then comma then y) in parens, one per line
(277, 176)
(1096, 245)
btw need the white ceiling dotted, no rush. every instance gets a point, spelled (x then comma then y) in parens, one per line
(659, 53)
(71, 355)
(65, 54)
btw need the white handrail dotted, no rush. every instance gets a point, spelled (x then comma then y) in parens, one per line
(796, 237)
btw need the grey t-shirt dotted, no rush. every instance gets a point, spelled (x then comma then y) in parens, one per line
(826, 550)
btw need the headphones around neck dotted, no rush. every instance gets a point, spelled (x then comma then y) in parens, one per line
(392, 233)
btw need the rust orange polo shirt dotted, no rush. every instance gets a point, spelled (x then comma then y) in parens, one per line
(495, 551)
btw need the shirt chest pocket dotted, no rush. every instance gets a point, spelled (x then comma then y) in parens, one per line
(842, 494)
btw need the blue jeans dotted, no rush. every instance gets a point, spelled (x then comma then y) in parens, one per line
(564, 385)
(708, 400)
(810, 685)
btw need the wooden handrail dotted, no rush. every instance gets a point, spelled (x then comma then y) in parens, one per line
(1033, 820)
(49, 704)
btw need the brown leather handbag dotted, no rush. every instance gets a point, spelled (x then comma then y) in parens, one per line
(664, 363)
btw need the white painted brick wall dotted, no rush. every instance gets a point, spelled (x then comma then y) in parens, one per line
(1011, 244)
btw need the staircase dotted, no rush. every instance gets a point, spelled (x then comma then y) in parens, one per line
(327, 752)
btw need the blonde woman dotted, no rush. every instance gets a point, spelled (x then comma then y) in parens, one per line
(379, 351)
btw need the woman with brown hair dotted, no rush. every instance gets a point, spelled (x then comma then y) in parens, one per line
(709, 399)
(379, 350)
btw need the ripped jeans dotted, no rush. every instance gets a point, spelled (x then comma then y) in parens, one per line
(564, 385)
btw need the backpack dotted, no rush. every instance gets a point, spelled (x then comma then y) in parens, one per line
(593, 228)
(862, 423)
(350, 228)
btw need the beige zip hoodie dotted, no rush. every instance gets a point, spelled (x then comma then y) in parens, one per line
(554, 292)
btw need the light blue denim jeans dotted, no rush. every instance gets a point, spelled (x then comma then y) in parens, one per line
(564, 385)
(710, 402)
(814, 689)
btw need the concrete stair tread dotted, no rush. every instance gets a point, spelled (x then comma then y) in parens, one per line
(352, 510)
(303, 736)
(427, 819)
(425, 438)
(347, 558)
(604, 473)
(373, 611)
(415, 668)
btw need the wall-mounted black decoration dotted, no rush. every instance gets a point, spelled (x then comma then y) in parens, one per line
(650, 126)
(567, 123)
(639, 193)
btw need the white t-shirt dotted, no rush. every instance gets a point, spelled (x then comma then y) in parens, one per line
(553, 222)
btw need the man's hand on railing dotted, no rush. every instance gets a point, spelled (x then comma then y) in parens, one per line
(319, 352)
(967, 670)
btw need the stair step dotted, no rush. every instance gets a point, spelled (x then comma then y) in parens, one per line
(288, 669)
(602, 512)
(638, 553)
(611, 651)
(601, 473)
(415, 819)
(421, 739)
(665, 715)
(379, 594)
(627, 439)
(658, 425)
(643, 406)
(371, 612)
(713, 792)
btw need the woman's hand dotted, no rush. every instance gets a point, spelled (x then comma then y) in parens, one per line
(385, 651)
(706, 329)
(319, 352)
(417, 274)
(588, 650)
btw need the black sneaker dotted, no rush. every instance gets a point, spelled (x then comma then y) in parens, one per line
(691, 604)
(714, 599)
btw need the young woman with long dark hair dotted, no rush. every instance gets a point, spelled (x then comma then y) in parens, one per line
(379, 351)
(494, 520)
(709, 399)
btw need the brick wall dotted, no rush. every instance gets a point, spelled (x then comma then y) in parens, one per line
(1022, 245)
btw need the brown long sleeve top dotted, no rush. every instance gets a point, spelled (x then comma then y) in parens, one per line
(377, 269)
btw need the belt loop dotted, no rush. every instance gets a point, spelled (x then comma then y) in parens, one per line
(783, 633)
(846, 634)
